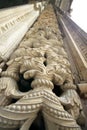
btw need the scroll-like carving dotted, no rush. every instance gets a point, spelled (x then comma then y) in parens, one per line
(42, 58)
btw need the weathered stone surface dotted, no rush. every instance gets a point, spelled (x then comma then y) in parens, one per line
(42, 61)
(14, 23)
(76, 43)
(65, 5)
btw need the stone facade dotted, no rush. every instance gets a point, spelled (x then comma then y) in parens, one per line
(38, 78)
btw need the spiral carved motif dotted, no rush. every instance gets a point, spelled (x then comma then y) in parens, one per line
(40, 56)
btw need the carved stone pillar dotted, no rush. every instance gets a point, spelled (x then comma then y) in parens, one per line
(42, 62)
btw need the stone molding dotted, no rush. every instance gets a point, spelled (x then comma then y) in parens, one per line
(76, 43)
(13, 30)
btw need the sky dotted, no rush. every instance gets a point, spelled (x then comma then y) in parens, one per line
(79, 13)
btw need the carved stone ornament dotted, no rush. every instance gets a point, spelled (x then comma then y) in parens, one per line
(41, 59)
(14, 23)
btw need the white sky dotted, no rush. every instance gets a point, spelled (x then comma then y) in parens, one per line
(79, 13)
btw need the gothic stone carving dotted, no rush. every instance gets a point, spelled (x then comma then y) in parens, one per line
(41, 57)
